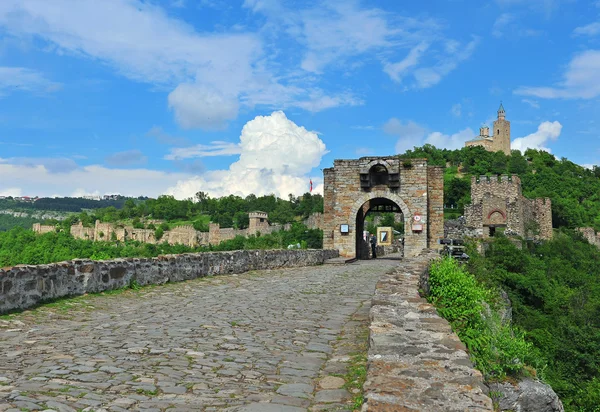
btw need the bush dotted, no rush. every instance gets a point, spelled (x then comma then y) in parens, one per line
(496, 349)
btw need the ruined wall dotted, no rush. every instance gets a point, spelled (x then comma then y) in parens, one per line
(498, 201)
(590, 235)
(314, 221)
(344, 198)
(416, 362)
(24, 286)
(78, 231)
(41, 229)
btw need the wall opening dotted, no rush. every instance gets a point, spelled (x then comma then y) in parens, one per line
(377, 212)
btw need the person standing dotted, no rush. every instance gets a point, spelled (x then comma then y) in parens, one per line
(373, 241)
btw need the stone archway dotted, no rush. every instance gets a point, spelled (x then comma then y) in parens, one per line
(411, 184)
(361, 214)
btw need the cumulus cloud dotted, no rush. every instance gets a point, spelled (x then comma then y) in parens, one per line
(546, 133)
(581, 80)
(127, 158)
(451, 142)
(276, 156)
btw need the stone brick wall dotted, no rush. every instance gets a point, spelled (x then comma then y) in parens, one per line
(415, 361)
(24, 286)
(346, 202)
(590, 235)
(185, 235)
(497, 200)
(41, 229)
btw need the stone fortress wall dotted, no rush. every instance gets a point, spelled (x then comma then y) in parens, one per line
(497, 201)
(25, 286)
(185, 235)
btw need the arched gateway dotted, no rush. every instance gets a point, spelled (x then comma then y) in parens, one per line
(409, 186)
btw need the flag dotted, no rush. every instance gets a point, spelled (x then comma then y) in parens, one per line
(310, 185)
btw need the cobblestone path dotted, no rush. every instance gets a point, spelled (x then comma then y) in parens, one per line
(260, 341)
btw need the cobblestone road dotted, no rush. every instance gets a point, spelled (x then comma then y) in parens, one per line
(260, 341)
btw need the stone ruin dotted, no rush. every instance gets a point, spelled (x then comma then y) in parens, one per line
(498, 204)
(184, 235)
(590, 235)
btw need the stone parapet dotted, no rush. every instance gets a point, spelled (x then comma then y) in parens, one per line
(416, 362)
(25, 286)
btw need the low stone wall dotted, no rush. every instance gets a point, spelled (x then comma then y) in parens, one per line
(416, 362)
(24, 286)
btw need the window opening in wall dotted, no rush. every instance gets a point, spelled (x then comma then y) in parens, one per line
(378, 175)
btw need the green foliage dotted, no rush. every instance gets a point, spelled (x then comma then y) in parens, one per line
(497, 349)
(22, 246)
(555, 295)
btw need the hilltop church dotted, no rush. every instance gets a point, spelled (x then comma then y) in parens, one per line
(500, 140)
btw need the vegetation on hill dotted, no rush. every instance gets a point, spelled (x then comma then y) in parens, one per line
(573, 189)
(554, 289)
(22, 246)
(554, 286)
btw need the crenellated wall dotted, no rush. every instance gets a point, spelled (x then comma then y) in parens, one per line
(497, 201)
(24, 286)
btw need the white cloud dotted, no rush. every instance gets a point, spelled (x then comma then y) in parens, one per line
(581, 80)
(52, 165)
(455, 141)
(430, 76)
(276, 156)
(532, 103)
(216, 148)
(39, 181)
(591, 29)
(397, 70)
(209, 75)
(456, 109)
(546, 132)
(14, 79)
(409, 134)
(197, 106)
(500, 24)
(11, 191)
(318, 102)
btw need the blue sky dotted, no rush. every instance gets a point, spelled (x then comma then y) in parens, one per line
(257, 96)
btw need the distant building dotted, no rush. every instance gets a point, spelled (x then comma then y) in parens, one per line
(499, 140)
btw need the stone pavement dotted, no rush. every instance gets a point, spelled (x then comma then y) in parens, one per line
(260, 341)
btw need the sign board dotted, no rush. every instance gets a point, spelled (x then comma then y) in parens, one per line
(384, 236)
(417, 218)
(417, 227)
(344, 229)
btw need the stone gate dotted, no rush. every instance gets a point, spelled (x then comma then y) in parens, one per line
(408, 186)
